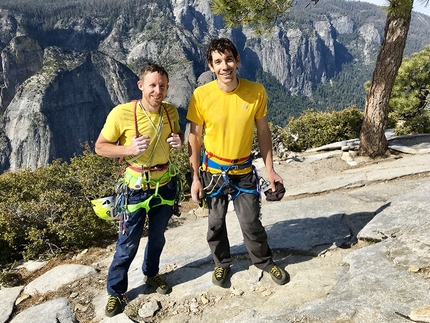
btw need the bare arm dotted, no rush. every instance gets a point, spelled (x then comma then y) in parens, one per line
(110, 149)
(181, 136)
(264, 138)
(194, 146)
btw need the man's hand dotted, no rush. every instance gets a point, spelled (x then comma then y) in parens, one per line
(197, 192)
(139, 145)
(274, 177)
(174, 140)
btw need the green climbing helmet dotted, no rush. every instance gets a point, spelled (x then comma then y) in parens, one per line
(105, 208)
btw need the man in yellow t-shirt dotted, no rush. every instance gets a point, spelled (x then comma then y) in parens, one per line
(146, 131)
(226, 111)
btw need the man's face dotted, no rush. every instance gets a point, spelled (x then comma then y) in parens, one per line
(154, 88)
(224, 65)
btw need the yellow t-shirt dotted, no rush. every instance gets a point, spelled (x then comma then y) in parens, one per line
(120, 125)
(228, 118)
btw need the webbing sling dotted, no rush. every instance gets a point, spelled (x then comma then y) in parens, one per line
(136, 129)
(135, 117)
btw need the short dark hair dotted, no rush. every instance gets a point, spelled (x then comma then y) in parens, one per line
(151, 68)
(220, 45)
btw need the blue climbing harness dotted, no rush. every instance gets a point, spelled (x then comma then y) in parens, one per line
(226, 180)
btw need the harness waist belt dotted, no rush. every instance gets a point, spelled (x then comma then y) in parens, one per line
(135, 181)
(154, 168)
(208, 162)
(231, 161)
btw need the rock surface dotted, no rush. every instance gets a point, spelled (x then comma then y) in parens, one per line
(61, 105)
(357, 251)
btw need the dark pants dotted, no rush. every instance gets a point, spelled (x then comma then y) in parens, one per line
(247, 208)
(130, 233)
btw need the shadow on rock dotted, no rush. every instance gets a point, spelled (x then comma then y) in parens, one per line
(313, 236)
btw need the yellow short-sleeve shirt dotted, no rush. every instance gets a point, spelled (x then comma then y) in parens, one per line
(228, 118)
(120, 125)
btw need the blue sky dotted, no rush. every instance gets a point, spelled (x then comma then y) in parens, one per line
(417, 5)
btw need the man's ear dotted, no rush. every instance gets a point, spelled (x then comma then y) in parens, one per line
(211, 67)
(139, 84)
(238, 59)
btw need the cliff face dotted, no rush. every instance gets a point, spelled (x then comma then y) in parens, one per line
(52, 100)
(8, 26)
(296, 60)
(61, 106)
(21, 59)
(300, 53)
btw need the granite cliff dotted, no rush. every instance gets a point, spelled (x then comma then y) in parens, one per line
(61, 105)
(59, 81)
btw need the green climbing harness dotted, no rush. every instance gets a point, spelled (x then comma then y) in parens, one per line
(116, 206)
(173, 173)
(145, 204)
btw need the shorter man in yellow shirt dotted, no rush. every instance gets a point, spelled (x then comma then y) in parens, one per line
(226, 110)
(146, 131)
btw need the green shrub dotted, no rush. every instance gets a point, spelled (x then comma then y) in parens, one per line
(315, 128)
(418, 124)
(180, 158)
(409, 101)
(48, 211)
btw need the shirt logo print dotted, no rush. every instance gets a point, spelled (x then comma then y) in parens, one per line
(245, 106)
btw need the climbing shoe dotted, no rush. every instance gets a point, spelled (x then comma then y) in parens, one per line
(219, 276)
(279, 275)
(115, 305)
(158, 283)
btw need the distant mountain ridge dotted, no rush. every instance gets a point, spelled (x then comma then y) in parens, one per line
(87, 53)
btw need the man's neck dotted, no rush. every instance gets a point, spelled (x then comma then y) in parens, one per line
(148, 108)
(229, 87)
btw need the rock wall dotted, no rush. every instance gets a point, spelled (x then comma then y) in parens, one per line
(53, 99)
(62, 106)
(21, 59)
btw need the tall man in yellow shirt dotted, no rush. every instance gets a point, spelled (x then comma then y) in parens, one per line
(146, 130)
(227, 109)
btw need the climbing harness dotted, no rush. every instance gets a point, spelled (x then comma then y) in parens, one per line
(145, 204)
(172, 172)
(211, 191)
(116, 206)
(233, 164)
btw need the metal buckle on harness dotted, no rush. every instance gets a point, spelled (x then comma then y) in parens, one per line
(236, 167)
(224, 175)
